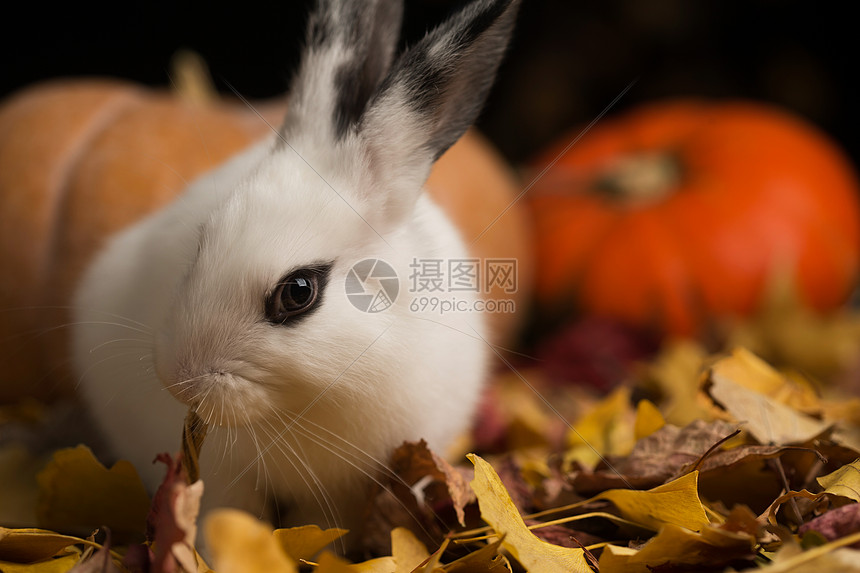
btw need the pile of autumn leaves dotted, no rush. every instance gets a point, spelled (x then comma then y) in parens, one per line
(707, 463)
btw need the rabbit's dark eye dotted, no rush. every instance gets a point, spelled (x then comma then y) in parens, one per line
(296, 293)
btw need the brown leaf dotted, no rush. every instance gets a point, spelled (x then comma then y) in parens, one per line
(99, 562)
(728, 459)
(561, 535)
(172, 521)
(742, 520)
(512, 478)
(423, 494)
(457, 479)
(656, 459)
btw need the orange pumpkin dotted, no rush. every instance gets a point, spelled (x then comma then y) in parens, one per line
(682, 211)
(80, 160)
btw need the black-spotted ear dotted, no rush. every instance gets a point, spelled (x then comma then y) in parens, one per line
(349, 49)
(432, 94)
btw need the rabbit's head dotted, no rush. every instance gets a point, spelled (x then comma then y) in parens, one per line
(270, 316)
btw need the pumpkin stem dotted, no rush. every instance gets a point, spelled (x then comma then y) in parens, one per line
(639, 178)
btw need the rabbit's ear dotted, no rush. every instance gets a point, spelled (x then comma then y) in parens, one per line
(348, 51)
(432, 94)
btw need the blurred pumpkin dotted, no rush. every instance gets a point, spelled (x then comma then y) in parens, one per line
(80, 160)
(680, 212)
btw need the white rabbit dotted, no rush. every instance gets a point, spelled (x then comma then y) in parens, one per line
(235, 295)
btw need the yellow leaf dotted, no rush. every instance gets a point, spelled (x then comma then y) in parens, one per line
(845, 481)
(676, 372)
(58, 565)
(29, 545)
(306, 541)
(407, 551)
(833, 556)
(648, 419)
(487, 559)
(744, 385)
(378, 565)
(239, 543)
(677, 546)
(497, 509)
(676, 502)
(753, 373)
(607, 429)
(78, 493)
(615, 558)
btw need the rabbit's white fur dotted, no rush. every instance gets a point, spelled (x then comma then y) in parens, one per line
(302, 413)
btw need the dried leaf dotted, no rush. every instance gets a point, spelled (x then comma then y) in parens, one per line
(499, 512)
(458, 487)
(727, 460)
(77, 493)
(422, 493)
(742, 520)
(306, 541)
(676, 372)
(407, 551)
(328, 562)
(648, 419)
(735, 383)
(31, 545)
(172, 521)
(607, 429)
(770, 513)
(835, 523)
(331, 563)
(99, 562)
(845, 481)
(57, 565)
(833, 556)
(666, 454)
(241, 544)
(674, 503)
(675, 546)
(485, 560)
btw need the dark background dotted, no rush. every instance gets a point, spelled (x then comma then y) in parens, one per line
(568, 61)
